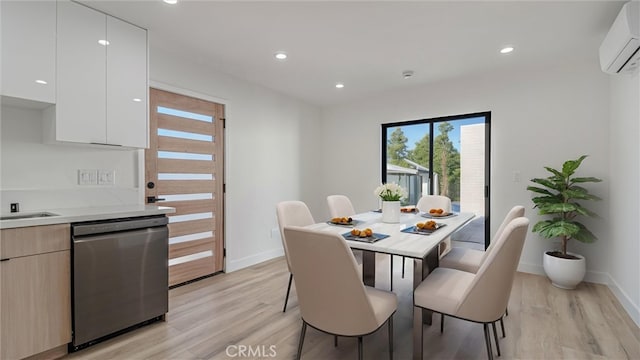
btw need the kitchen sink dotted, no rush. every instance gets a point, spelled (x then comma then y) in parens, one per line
(27, 216)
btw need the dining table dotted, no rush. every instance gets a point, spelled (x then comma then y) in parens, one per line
(403, 239)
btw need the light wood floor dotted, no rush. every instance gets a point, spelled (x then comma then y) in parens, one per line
(245, 308)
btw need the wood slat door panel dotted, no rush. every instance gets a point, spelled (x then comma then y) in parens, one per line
(185, 186)
(191, 247)
(191, 227)
(189, 166)
(184, 272)
(185, 145)
(186, 139)
(190, 207)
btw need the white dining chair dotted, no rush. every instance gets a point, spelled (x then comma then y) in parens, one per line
(470, 260)
(291, 213)
(426, 203)
(331, 295)
(340, 206)
(480, 297)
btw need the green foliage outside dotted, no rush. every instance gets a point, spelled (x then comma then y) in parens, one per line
(446, 160)
(397, 148)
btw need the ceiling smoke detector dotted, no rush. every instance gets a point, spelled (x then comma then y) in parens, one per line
(407, 74)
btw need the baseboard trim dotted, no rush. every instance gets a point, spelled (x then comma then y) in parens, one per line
(233, 265)
(633, 310)
(591, 276)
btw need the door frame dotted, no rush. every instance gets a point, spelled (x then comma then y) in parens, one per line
(141, 159)
(432, 122)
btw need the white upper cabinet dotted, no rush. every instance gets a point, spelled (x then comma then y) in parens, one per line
(102, 79)
(81, 107)
(127, 88)
(28, 50)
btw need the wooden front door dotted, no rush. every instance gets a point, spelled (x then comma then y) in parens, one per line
(184, 170)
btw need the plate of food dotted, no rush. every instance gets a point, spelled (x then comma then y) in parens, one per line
(424, 228)
(344, 221)
(438, 213)
(365, 235)
(409, 209)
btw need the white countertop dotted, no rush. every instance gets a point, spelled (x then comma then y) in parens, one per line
(84, 214)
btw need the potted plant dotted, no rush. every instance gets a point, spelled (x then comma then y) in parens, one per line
(391, 194)
(558, 197)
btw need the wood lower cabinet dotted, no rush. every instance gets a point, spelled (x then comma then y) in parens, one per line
(35, 291)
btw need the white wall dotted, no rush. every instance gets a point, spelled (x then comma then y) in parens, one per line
(539, 118)
(624, 165)
(269, 138)
(43, 176)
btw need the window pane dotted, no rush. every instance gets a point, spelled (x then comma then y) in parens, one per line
(184, 114)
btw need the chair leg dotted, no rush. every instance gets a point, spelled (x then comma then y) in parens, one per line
(441, 323)
(390, 338)
(403, 267)
(302, 333)
(335, 340)
(504, 335)
(495, 337)
(360, 348)
(487, 341)
(286, 298)
(391, 275)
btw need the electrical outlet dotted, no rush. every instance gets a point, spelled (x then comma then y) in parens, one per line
(87, 177)
(106, 177)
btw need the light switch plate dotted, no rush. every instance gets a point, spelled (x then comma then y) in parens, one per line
(106, 177)
(87, 177)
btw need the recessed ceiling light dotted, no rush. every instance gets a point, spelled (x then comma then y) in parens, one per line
(280, 55)
(41, 82)
(171, 2)
(506, 50)
(137, 100)
(103, 42)
(339, 85)
(407, 74)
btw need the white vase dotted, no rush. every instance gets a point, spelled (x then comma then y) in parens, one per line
(391, 212)
(565, 273)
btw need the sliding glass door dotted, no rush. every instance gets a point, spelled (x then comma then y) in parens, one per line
(445, 156)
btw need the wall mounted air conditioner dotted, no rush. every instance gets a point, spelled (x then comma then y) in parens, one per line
(619, 52)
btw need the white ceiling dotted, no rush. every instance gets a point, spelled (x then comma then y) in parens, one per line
(367, 45)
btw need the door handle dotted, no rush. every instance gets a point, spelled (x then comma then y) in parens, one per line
(153, 199)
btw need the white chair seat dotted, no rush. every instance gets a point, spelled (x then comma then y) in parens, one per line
(464, 259)
(444, 291)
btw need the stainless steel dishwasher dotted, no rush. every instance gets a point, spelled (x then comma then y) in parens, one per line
(119, 276)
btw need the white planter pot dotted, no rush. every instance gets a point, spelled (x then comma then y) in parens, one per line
(391, 212)
(565, 273)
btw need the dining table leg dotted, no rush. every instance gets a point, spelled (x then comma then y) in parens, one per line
(421, 268)
(369, 268)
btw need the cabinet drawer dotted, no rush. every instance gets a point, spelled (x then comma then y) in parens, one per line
(32, 240)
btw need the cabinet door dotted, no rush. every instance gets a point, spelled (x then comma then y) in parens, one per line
(127, 88)
(35, 304)
(80, 108)
(28, 49)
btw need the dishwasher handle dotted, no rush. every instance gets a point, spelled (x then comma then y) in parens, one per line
(108, 226)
